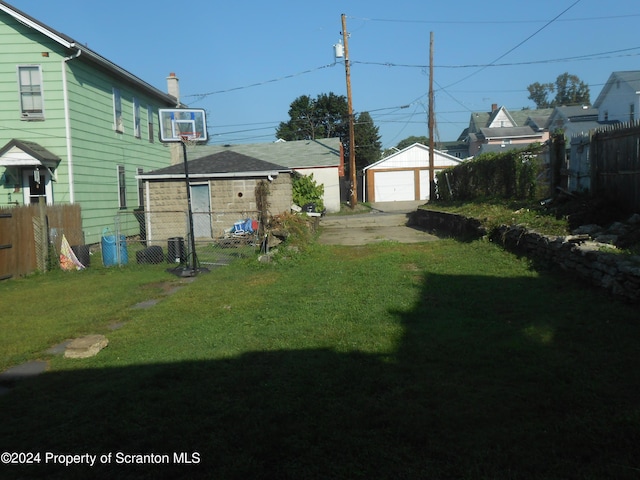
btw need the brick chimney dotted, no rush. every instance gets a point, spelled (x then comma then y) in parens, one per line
(494, 107)
(173, 87)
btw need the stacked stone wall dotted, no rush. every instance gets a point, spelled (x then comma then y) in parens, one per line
(591, 261)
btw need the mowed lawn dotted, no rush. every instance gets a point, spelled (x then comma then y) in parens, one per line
(444, 360)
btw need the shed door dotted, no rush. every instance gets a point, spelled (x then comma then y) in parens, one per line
(201, 208)
(394, 186)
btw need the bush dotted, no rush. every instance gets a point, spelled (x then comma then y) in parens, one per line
(306, 190)
(510, 175)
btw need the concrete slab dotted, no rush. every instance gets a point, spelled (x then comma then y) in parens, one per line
(374, 227)
(397, 207)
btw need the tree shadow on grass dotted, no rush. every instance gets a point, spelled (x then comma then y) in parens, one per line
(477, 389)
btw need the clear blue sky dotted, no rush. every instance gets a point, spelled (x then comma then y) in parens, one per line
(245, 62)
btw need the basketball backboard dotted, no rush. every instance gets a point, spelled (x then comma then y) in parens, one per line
(175, 123)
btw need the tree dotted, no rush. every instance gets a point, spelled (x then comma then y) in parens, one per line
(327, 116)
(407, 142)
(569, 89)
(309, 119)
(367, 141)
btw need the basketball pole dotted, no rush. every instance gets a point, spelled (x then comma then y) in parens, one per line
(194, 266)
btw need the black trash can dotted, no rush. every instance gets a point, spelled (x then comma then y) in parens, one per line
(175, 250)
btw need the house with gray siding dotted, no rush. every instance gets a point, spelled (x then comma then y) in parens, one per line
(76, 127)
(619, 99)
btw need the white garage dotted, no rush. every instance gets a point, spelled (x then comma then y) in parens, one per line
(404, 176)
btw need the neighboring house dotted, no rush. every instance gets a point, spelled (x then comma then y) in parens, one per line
(501, 130)
(404, 175)
(223, 187)
(323, 158)
(619, 99)
(458, 149)
(573, 120)
(76, 128)
(576, 122)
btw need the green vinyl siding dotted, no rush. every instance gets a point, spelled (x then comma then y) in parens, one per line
(97, 149)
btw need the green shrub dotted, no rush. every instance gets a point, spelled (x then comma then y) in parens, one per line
(510, 175)
(306, 190)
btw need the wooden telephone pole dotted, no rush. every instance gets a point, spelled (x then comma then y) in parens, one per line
(352, 143)
(432, 183)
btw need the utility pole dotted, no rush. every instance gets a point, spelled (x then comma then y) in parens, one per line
(352, 143)
(432, 183)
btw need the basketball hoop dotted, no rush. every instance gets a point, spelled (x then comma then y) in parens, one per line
(189, 139)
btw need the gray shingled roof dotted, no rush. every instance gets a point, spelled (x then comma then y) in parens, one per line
(295, 154)
(508, 132)
(222, 164)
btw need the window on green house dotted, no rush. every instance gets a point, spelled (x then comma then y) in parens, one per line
(122, 188)
(152, 132)
(136, 118)
(117, 111)
(30, 83)
(139, 171)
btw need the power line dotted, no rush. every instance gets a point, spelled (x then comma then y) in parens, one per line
(491, 22)
(202, 96)
(591, 56)
(518, 45)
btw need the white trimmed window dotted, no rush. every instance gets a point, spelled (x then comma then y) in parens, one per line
(118, 122)
(30, 84)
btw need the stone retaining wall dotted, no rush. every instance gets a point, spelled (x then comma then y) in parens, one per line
(577, 254)
(452, 224)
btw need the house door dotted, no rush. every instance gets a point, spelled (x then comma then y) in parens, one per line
(201, 208)
(36, 184)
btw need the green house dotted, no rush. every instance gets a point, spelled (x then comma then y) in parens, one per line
(75, 127)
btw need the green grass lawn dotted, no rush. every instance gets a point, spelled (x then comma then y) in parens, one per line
(443, 360)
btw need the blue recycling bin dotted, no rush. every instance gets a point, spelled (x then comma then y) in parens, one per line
(111, 251)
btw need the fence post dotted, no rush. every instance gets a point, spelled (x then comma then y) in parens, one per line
(43, 238)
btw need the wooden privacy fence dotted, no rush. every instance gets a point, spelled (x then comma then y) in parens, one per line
(30, 236)
(615, 157)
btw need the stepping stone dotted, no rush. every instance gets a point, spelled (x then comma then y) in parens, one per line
(26, 370)
(85, 347)
(145, 304)
(58, 349)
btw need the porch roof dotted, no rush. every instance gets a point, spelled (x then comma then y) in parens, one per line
(22, 153)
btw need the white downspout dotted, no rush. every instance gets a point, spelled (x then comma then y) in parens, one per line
(67, 124)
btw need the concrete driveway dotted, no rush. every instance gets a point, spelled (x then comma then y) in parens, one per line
(386, 222)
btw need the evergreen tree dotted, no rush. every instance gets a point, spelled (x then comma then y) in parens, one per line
(367, 141)
(310, 119)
